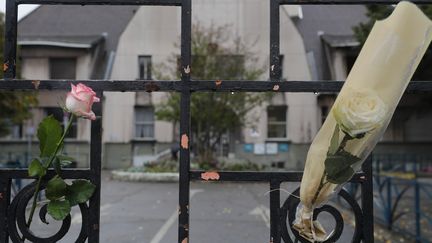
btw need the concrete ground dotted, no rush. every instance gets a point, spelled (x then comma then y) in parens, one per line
(147, 213)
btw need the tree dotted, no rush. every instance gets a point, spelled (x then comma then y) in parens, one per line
(219, 57)
(379, 12)
(14, 107)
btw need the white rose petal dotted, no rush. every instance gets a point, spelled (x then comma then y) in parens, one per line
(359, 112)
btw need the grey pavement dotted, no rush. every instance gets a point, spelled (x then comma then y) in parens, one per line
(147, 213)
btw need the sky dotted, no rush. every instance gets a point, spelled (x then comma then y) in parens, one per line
(23, 9)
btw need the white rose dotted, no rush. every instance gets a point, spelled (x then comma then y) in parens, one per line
(359, 112)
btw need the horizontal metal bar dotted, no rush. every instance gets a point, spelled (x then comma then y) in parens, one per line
(66, 173)
(203, 86)
(351, 2)
(104, 2)
(289, 176)
(97, 85)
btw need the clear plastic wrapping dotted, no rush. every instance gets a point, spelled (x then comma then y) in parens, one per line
(362, 110)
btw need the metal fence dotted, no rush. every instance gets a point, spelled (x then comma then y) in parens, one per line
(12, 213)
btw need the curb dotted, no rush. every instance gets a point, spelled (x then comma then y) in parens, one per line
(144, 177)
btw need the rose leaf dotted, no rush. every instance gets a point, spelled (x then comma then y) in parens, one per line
(338, 167)
(59, 210)
(36, 168)
(56, 188)
(334, 142)
(341, 177)
(49, 134)
(79, 192)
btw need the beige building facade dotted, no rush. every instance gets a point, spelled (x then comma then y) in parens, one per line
(148, 35)
(127, 42)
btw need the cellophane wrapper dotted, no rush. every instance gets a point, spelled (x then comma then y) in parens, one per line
(362, 110)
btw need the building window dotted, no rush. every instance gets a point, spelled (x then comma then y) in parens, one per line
(63, 117)
(12, 130)
(16, 131)
(277, 122)
(145, 67)
(62, 68)
(350, 60)
(144, 122)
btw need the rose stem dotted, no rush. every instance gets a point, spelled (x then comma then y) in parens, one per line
(345, 139)
(322, 184)
(36, 193)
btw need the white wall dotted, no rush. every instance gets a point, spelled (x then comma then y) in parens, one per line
(154, 30)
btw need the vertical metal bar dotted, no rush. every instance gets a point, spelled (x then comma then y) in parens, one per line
(275, 230)
(95, 167)
(185, 136)
(275, 67)
(389, 218)
(417, 211)
(367, 202)
(5, 189)
(9, 65)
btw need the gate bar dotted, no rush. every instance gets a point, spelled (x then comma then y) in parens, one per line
(5, 192)
(196, 85)
(347, 2)
(275, 68)
(95, 168)
(185, 120)
(103, 2)
(10, 45)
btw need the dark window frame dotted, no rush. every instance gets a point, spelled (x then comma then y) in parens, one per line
(145, 71)
(54, 65)
(277, 123)
(144, 123)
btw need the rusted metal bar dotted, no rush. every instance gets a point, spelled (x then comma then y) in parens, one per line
(104, 2)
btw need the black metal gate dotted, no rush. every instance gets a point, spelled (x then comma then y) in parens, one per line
(12, 213)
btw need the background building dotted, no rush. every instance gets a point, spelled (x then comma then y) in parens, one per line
(125, 42)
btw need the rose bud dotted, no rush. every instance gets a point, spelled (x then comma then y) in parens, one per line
(80, 100)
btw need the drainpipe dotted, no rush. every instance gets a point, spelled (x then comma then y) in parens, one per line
(109, 65)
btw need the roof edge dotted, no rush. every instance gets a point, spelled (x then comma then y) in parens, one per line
(55, 43)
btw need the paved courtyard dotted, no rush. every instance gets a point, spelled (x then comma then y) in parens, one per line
(147, 213)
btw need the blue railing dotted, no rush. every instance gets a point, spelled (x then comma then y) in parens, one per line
(402, 194)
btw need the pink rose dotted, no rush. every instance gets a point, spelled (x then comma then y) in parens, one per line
(80, 100)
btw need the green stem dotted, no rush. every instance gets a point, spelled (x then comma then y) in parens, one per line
(345, 139)
(342, 145)
(37, 190)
